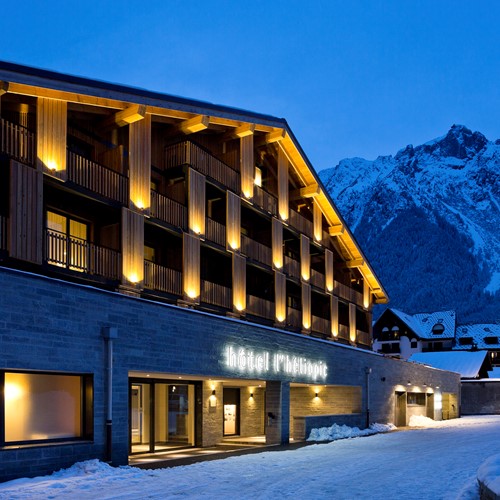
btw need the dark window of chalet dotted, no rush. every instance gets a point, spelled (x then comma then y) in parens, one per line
(491, 340)
(416, 399)
(413, 344)
(438, 329)
(465, 341)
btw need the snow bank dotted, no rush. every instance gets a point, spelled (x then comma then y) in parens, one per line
(343, 431)
(488, 474)
(419, 421)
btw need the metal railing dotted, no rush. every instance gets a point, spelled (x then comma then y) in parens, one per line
(300, 223)
(162, 278)
(3, 232)
(347, 293)
(343, 332)
(293, 317)
(317, 279)
(363, 338)
(217, 295)
(97, 178)
(17, 142)
(265, 200)
(320, 325)
(260, 307)
(216, 232)
(255, 250)
(291, 267)
(187, 152)
(168, 210)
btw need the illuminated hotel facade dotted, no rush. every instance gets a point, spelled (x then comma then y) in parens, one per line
(174, 273)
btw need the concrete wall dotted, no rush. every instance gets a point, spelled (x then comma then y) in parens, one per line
(481, 397)
(52, 325)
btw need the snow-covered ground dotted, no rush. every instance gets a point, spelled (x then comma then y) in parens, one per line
(439, 462)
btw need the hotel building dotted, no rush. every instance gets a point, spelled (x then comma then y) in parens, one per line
(174, 273)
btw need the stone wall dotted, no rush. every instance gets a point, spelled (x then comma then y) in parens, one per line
(481, 397)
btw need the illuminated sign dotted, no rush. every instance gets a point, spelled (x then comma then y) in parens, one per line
(264, 362)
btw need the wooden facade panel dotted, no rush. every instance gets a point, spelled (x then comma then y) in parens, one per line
(280, 295)
(191, 266)
(51, 135)
(247, 166)
(132, 248)
(26, 213)
(233, 221)
(305, 257)
(329, 273)
(366, 295)
(283, 198)
(140, 164)
(239, 282)
(334, 315)
(306, 306)
(196, 202)
(317, 222)
(277, 237)
(352, 322)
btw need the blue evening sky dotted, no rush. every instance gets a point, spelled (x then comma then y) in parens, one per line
(353, 78)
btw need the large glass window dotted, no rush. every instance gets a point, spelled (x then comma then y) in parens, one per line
(40, 406)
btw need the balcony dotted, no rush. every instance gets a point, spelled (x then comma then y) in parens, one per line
(81, 256)
(17, 142)
(260, 307)
(162, 279)
(168, 210)
(343, 332)
(320, 325)
(256, 251)
(300, 223)
(363, 338)
(264, 200)
(215, 232)
(317, 279)
(214, 294)
(347, 293)
(188, 153)
(293, 317)
(97, 178)
(291, 267)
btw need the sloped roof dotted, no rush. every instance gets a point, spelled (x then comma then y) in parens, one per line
(408, 319)
(421, 324)
(468, 364)
(478, 333)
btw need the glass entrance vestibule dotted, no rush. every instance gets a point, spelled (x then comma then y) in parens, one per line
(162, 414)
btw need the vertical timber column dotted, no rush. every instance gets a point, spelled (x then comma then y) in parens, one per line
(26, 213)
(132, 250)
(306, 306)
(140, 164)
(277, 237)
(334, 316)
(247, 166)
(280, 296)
(277, 412)
(329, 275)
(352, 322)
(283, 199)
(239, 283)
(51, 134)
(317, 222)
(233, 221)
(305, 258)
(366, 295)
(196, 202)
(191, 267)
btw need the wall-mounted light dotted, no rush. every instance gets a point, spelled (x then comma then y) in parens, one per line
(409, 383)
(382, 379)
(251, 395)
(316, 394)
(213, 392)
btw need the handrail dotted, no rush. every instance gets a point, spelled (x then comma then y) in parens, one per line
(215, 231)
(300, 223)
(320, 325)
(215, 294)
(18, 142)
(343, 332)
(317, 278)
(264, 200)
(260, 307)
(291, 267)
(162, 278)
(255, 250)
(293, 317)
(168, 210)
(347, 293)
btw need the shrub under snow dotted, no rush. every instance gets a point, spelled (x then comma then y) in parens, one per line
(343, 431)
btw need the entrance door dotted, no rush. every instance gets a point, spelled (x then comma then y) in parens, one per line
(400, 409)
(231, 412)
(140, 417)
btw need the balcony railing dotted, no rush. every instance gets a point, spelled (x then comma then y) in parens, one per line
(17, 142)
(265, 200)
(291, 267)
(255, 250)
(217, 295)
(293, 317)
(343, 332)
(300, 223)
(161, 278)
(260, 307)
(347, 293)
(168, 210)
(363, 338)
(97, 178)
(80, 255)
(189, 153)
(3, 232)
(216, 232)
(320, 325)
(317, 279)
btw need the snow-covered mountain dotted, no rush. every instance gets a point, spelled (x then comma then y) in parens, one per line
(428, 220)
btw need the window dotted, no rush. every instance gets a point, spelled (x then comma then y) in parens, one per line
(465, 341)
(413, 344)
(416, 399)
(45, 407)
(438, 329)
(491, 340)
(67, 242)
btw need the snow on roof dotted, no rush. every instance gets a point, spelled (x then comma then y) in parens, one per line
(423, 323)
(468, 364)
(484, 336)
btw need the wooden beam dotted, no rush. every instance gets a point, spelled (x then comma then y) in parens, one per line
(276, 136)
(124, 117)
(193, 125)
(239, 132)
(4, 88)
(354, 263)
(336, 230)
(306, 192)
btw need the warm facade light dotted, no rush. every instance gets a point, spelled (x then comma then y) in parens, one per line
(52, 165)
(133, 278)
(258, 177)
(366, 295)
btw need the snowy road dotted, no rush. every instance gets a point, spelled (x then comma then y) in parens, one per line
(433, 463)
